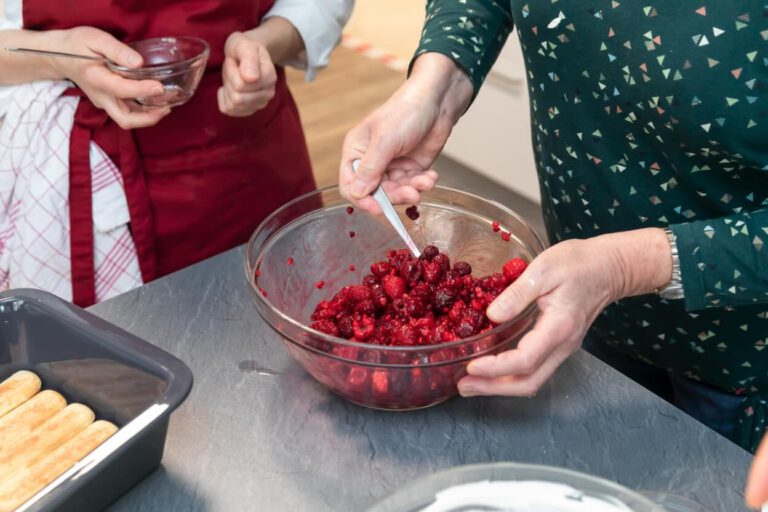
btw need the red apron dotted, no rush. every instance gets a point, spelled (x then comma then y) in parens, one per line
(198, 182)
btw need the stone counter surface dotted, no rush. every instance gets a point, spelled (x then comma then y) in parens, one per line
(259, 434)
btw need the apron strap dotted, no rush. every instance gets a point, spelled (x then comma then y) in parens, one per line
(88, 120)
(81, 205)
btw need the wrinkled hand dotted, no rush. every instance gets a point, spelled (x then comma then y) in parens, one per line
(756, 493)
(105, 89)
(571, 283)
(249, 76)
(398, 143)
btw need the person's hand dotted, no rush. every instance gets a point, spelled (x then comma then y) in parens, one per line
(248, 74)
(105, 89)
(398, 143)
(756, 493)
(571, 283)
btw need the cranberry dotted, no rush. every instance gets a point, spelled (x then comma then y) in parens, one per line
(346, 329)
(514, 268)
(319, 285)
(369, 280)
(462, 268)
(352, 268)
(290, 260)
(350, 210)
(430, 252)
(495, 226)
(257, 273)
(359, 293)
(506, 236)
(443, 260)
(351, 234)
(263, 292)
(412, 212)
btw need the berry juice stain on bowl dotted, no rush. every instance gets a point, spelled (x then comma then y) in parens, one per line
(178, 63)
(418, 365)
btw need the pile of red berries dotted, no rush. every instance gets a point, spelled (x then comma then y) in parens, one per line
(409, 301)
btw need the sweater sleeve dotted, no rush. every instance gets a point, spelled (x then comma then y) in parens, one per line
(724, 261)
(470, 32)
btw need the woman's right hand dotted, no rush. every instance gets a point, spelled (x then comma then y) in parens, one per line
(107, 90)
(398, 143)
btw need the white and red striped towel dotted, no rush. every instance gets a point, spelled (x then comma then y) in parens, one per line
(34, 200)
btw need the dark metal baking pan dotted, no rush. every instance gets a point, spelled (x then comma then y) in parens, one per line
(124, 379)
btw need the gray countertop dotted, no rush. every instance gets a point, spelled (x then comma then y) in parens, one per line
(258, 434)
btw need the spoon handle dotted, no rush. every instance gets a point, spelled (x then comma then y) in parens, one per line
(57, 54)
(389, 212)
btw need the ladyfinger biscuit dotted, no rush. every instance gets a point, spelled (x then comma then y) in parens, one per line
(28, 416)
(60, 428)
(17, 389)
(28, 482)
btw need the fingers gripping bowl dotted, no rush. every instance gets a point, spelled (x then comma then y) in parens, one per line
(177, 63)
(315, 239)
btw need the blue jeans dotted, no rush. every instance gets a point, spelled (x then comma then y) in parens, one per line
(716, 408)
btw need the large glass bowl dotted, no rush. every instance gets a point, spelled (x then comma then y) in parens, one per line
(325, 242)
(421, 493)
(176, 62)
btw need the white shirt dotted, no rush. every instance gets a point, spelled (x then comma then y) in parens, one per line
(320, 23)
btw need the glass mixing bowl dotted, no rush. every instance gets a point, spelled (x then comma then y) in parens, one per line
(325, 242)
(422, 493)
(176, 62)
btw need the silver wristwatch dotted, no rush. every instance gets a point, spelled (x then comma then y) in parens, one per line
(674, 289)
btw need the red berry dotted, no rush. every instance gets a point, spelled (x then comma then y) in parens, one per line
(351, 234)
(495, 226)
(263, 292)
(326, 326)
(394, 286)
(513, 268)
(380, 269)
(363, 328)
(257, 273)
(290, 260)
(412, 212)
(431, 271)
(429, 252)
(351, 268)
(462, 268)
(350, 210)
(505, 236)
(319, 285)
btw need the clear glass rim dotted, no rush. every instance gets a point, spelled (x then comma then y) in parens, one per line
(541, 469)
(530, 311)
(162, 67)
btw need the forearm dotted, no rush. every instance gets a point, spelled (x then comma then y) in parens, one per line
(280, 38)
(17, 68)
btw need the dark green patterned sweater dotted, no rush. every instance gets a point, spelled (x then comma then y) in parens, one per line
(650, 114)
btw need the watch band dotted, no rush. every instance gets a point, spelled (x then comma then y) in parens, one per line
(674, 289)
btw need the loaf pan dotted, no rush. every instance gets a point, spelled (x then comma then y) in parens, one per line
(122, 378)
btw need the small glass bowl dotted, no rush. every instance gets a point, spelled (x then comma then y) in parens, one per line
(176, 62)
(314, 232)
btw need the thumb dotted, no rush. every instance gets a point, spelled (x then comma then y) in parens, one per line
(372, 167)
(247, 55)
(120, 53)
(512, 301)
(757, 483)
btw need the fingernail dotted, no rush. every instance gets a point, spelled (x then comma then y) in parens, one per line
(135, 60)
(359, 188)
(478, 366)
(251, 72)
(493, 310)
(157, 90)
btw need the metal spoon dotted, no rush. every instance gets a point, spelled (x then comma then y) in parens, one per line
(59, 54)
(389, 212)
